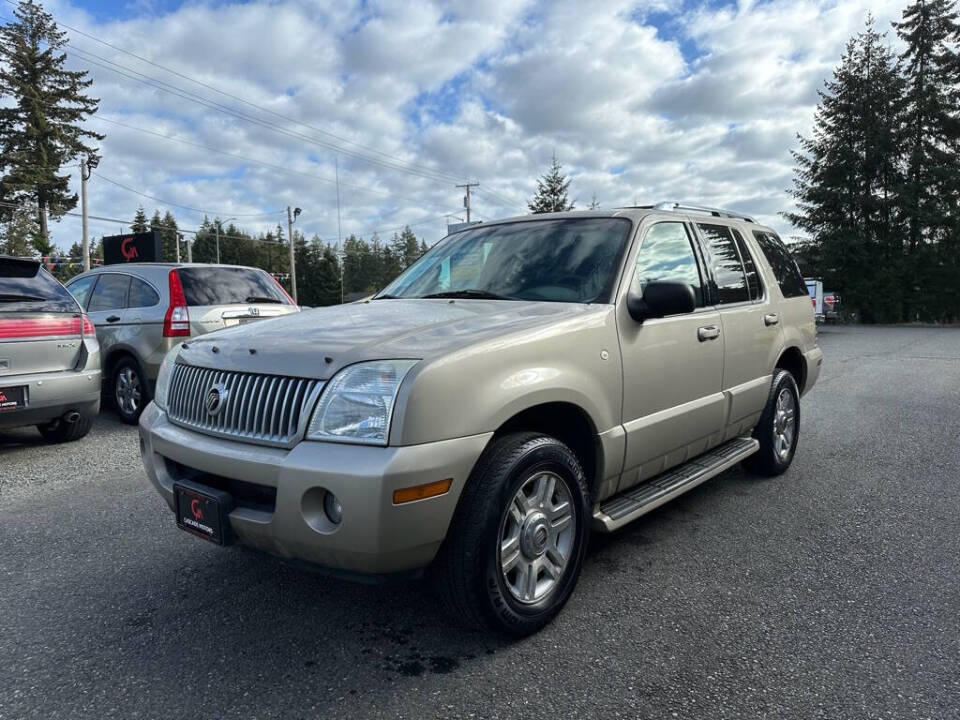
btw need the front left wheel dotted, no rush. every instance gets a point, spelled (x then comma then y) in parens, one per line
(517, 540)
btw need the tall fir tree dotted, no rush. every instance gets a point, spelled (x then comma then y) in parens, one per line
(848, 176)
(41, 129)
(139, 223)
(551, 195)
(931, 189)
(18, 232)
(406, 248)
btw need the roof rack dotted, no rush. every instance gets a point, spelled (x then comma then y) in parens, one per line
(716, 212)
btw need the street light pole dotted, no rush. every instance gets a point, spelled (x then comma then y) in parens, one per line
(291, 218)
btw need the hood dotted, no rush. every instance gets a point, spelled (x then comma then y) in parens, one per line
(316, 343)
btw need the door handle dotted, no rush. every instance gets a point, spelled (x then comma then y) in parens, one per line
(771, 319)
(113, 318)
(708, 332)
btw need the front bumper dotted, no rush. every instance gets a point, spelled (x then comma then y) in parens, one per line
(52, 395)
(375, 537)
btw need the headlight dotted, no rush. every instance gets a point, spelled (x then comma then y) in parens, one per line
(357, 404)
(163, 378)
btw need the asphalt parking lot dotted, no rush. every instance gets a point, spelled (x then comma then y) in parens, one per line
(831, 592)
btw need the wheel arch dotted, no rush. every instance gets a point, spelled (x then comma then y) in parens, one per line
(791, 359)
(567, 422)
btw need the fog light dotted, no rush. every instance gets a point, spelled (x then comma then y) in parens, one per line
(333, 508)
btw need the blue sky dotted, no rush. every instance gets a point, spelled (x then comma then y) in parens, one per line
(243, 108)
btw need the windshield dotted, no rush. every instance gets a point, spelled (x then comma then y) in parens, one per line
(26, 287)
(561, 260)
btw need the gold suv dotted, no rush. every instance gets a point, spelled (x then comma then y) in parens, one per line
(525, 382)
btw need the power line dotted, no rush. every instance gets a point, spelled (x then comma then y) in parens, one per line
(184, 207)
(254, 105)
(272, 166)
(391, 162)
(163, 86)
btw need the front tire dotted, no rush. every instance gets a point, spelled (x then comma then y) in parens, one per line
(517, 540)
(779, 428)
(130, 394)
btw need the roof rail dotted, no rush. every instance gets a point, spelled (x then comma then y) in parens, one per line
(716, 212)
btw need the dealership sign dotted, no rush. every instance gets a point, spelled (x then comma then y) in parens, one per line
(132, 247)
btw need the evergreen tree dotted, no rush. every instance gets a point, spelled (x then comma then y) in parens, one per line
(169, 237)
(423, 248)
(407, 248)
(18, 233)
(551, 195)
(847, 179)
(41, 129)
(139, 223)
(931, 191)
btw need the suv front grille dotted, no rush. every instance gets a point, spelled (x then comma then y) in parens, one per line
(264, 409)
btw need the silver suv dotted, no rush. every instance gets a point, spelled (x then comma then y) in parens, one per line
(49, 355)
(525, 382)
(141, 310)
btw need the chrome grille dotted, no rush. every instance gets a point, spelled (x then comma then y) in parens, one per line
(265, 409)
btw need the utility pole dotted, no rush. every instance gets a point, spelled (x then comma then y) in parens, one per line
(466, 199)
(176, 243)
(189, 250)
(85, 168)
(291, 216)
(336, 160)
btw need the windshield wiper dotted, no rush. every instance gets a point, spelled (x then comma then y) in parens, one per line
(14, 297)
(262, 299)
(469, 293)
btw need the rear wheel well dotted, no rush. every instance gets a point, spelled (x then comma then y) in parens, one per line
(792, 361)
(566, 422)
(114, 358)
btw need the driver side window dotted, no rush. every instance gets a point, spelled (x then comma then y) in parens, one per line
(667, 256)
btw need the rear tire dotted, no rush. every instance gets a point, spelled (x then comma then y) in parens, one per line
(129, 390)
(517, 540)
(779, 428)
(60, 431)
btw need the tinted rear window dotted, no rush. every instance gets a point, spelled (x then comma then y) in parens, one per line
(782, 263)
(731, 282)
(229, 286)
(26, 287)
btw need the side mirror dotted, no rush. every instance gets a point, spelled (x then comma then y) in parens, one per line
(661, 299)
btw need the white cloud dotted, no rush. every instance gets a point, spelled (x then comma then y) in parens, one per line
(704, 107)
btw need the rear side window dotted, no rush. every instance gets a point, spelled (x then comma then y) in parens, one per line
(753, 278)
(81, 288)
(784, 267)
(26, 287)
(141, 294)
(229, 286)
(110, 293)
(725, 261)
(667, 256)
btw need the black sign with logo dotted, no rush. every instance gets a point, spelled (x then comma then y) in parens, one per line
(133, 247)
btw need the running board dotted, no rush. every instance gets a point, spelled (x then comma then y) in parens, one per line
(617, 511)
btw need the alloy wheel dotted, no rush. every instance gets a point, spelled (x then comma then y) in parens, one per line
(128, 390)
(537, 535)
(784, 424)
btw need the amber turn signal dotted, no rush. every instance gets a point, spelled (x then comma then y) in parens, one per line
(420, 492)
